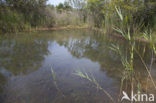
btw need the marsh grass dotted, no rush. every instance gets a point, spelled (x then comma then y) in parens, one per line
(55, 82)
(147, 69)
(125, 31)
(124, 59)
(93, 80)
(128, 63)
(148, 36)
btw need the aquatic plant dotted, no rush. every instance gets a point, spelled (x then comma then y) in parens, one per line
(147, 35)
(55, 83)
(130, 38)
(124, 59)
(93, 80)
(124, 30)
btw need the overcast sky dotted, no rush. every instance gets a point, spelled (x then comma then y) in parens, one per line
(55, 2)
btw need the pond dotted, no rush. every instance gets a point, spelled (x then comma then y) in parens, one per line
(27, 61)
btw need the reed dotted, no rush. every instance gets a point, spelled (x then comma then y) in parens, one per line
(55, 82)
(93, 80)
(128, 34)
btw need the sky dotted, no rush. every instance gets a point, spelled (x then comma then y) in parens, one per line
(55, 2)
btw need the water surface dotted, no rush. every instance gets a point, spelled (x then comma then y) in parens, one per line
(26, 60)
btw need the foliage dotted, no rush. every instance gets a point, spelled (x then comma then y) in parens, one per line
(135, 12)
(64, 6)
(18, 15)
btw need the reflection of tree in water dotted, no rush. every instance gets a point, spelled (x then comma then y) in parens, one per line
(22, 54)
(96, 48)
(2, 81)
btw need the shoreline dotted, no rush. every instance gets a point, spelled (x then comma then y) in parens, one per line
(59, 28)
(117, 35)
(69, 27)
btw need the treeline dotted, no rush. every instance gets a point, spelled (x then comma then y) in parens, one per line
(20, 15)
(136, 13)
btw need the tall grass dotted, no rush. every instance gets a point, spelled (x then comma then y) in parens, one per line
(55, 82)
(125, 32)
(130, 37)
(93, 80)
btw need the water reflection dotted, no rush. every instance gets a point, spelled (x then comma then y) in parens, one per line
(26, 61)
(21, 55)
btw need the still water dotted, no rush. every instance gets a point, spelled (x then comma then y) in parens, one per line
(26, 60)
